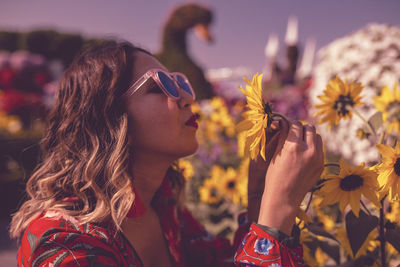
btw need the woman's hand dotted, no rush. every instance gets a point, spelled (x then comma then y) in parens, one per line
(294, 168)
(258, 169)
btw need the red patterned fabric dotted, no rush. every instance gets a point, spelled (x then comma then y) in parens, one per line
(55, 239)
(260, 249)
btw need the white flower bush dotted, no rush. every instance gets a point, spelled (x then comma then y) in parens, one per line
(371, 56)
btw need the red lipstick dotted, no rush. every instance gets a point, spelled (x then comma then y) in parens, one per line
(192, 121)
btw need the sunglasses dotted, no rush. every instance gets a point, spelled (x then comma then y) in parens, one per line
(168, 82)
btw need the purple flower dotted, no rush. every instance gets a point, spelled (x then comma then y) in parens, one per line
(262, 246)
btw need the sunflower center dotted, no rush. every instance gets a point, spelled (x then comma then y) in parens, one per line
(351, 182)
(267, 109)
(231, 185)
(341, 104)
(397, 167)
(393, 110)
(213, 192)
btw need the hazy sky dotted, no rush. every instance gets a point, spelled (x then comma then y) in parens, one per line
(240, 28)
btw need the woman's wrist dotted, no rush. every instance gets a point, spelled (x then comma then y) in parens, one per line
(254, 202)
(277, 214)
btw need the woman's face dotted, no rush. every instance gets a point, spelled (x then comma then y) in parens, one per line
(158, 124)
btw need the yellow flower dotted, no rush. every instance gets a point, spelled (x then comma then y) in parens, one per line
(338, 99)
(186, 168)
(347, 187)
(320, 257)
(303, 216)
(231, 185)
(243, 176)
(309, 259)
(341, 236)
(389, 171)
(10, 123)
(326, 220)
(394, 214)
(196, 108)
(209, 191)
(257, 119)
(389, 104)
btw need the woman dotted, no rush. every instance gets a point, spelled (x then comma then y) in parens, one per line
(106, 193)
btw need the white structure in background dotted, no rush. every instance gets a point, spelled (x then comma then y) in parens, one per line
(227, 80)
(294, 70)
(271, 52)
(307, 61)
(292, 32)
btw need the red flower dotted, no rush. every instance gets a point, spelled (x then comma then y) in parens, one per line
(7, 76)
(11, 100)
(41, 78)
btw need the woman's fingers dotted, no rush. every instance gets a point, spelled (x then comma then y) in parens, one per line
(319, 148)
(295, 132)
(309, 135)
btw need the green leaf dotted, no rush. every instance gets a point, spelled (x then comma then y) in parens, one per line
(393, 237)
(358, 228)
(375, 121)
(364, 260)
(318, 230)
(361, 261)
(331, 250)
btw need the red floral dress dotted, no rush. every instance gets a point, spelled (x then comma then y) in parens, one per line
(55, 239)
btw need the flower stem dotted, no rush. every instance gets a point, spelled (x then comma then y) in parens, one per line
(309, 202)
(381, 137)
(280, 116)
(382, 233)
(365, 207)
(331, 164)
(369, 126)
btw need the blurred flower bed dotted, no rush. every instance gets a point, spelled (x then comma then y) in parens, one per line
(26, 92)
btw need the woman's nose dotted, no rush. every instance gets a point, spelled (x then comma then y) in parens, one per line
(186, 99)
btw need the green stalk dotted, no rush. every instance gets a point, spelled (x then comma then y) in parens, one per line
(369, 126)
(365, 207)
(382, 233)
(331, 164)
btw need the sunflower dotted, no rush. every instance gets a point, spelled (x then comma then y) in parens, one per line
(231, 184)
(256, 119)
(209, 191)
(339, 99)
(389, 171)
(347, 187)
(394, 212)
(389, 104)
(186, 169)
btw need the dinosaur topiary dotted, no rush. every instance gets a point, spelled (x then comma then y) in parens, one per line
(174, 54)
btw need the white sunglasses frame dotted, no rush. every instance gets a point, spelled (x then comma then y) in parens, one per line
(152, 73)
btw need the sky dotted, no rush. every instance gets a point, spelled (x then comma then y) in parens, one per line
(240, 29)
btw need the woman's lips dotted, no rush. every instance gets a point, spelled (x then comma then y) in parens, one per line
(192, 121)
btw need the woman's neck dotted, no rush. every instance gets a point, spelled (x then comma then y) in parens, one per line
(148, 175)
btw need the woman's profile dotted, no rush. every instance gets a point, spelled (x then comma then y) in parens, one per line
(106, 192)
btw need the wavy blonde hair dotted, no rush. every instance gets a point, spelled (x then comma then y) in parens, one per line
(85, 151)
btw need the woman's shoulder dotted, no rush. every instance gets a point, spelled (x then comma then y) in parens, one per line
(54, 236)
(52, 221)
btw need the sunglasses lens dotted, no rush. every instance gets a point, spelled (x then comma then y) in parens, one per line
(168, 84)
(184, 85)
